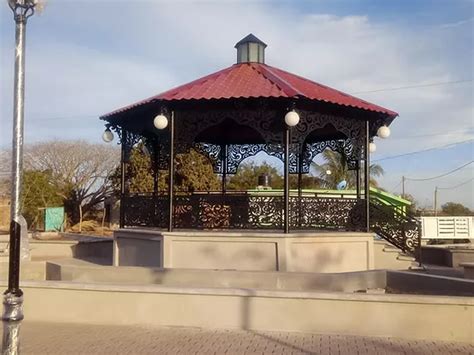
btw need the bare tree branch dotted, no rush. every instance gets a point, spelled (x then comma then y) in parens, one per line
(79, 169)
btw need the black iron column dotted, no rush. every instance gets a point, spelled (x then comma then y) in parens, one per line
(367, 175)
(300, 180)
(123, 171)
(171, 173)
(286, 224)
(156, 168)
(358, 179)
(224, 167)
(300, 169)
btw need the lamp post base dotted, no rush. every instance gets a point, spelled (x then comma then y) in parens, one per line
(12, 317)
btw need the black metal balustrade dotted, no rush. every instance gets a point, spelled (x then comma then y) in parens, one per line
(244, 210)
(145, 210)
(257, 210)
(396, 226)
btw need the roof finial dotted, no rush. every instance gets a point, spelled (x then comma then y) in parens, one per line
(250, 49)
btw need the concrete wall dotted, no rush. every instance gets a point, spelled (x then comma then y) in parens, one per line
(400, 316)
(445, 256)
(420, 283)
(275, 280)
(100, 251)
(138, 249)
(301, 252)
(4, 213)
(29, 270)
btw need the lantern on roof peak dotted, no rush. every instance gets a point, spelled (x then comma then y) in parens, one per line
(250, 50)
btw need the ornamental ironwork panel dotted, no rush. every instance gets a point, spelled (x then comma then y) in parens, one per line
(185, 213)
(190, 123)
(227, 211)
(158, 151)
(308, 212)
(145, 210)
(266, 212)
(127, 139)
(342, 146)
(236, 153)
(353, 129)
(395, 226)
(213, 152)
(244, 211)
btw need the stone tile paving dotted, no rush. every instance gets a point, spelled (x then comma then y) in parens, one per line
(53, 338)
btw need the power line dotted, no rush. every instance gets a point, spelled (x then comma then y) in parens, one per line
(394, 188)
(415, 86)
(423, 150)
(455, 187)
(442, 175)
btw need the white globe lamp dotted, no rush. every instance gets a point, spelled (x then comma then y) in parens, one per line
(372, 147)
(108, 136)
(328, 172)
(383, 132)
(292, 118)
(160, 121)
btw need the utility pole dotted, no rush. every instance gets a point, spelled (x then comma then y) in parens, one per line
(403, 186)
(436, 201)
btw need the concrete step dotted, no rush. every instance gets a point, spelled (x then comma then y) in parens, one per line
(390, 249)
(405, 257)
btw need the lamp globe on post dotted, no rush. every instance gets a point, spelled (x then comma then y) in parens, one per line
(107, 136)
(292, 118)
(372, 147)
(160, 121)
(383, 132)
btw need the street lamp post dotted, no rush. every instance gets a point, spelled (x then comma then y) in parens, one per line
(291, 119)
(13, 296)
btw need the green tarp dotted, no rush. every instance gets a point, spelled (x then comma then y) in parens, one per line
(53, 218)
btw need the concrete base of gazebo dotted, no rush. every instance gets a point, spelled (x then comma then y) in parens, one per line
(256, 251)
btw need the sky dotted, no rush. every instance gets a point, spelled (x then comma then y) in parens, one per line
(88, 57)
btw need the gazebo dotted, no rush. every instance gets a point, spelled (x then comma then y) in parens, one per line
(234, 114)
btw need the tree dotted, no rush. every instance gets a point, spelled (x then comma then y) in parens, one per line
(193, 172)
(308, 181)
(38, 192)
(336, 163)
(413, 208)
(455, 209)
(248, 173)
(80, 171)
(139, 172)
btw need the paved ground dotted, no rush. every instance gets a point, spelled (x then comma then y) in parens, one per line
(50, 338)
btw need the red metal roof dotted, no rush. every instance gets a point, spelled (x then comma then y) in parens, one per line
(255, 80)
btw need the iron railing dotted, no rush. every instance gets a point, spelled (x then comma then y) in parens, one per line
(244, 210)
(251, 210)
(396, 226)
